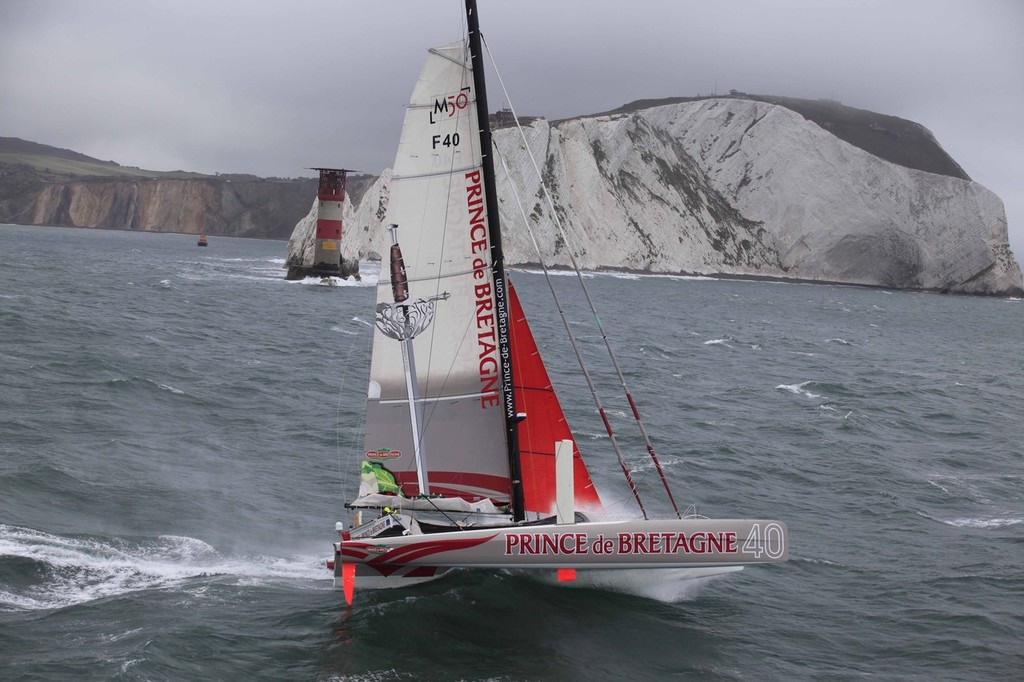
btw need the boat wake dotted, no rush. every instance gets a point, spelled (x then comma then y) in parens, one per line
(668, 585)
(39, 570)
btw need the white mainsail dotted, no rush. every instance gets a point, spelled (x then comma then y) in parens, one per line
(437, 201)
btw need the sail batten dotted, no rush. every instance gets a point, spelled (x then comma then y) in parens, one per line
(400, 178)
(427, 401)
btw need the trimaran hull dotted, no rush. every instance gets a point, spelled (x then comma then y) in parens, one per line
(712, 545)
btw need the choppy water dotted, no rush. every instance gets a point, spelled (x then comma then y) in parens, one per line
(177, 424)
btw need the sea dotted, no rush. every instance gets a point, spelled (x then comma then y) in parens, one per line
(180, 428)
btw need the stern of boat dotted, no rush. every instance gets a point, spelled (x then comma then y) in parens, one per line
(353, 568)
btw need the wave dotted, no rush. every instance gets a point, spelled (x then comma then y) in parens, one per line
(981, 522)
(731, 343)
(553, 272)
(135, 381)
(243, 259)
(641, 466)
(347, 332)
(651, 350)
(333, 282)
(610, 274)
(799, 389)
(47, 571)
(816, 561)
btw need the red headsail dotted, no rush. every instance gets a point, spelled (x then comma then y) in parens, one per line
(544, 425)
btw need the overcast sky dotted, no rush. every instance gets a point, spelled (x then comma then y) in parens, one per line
(272, 88)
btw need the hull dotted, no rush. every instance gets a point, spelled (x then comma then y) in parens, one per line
(709, 546)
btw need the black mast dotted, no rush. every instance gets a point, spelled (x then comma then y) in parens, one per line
(497, 263)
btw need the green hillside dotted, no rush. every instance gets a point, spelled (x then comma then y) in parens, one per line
(55, 164)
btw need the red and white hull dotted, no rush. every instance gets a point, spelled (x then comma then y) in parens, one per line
(712, 545)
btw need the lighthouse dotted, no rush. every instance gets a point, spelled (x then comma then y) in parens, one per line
(330, 197)
(317, 253)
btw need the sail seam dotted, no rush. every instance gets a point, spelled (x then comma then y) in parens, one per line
(433, 399)
(435, 51)
(432, 175)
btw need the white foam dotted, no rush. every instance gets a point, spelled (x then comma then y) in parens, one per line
(669, 585)
(82, 570)
(612, 274)
(18, 602)
(362, 321)
(799, 389)
(331, 282)
(647, 463)
(982, 522)
(553, 273)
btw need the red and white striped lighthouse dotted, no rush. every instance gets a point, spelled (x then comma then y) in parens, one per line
(330, 196)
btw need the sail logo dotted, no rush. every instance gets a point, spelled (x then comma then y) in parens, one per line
(446, 107)
(483, 294)
(383, 453)
(404, 320)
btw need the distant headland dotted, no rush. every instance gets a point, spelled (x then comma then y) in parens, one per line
(742, 185)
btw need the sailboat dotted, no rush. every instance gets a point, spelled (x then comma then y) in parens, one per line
(469, 461)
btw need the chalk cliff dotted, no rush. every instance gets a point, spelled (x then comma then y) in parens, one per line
(743, 186)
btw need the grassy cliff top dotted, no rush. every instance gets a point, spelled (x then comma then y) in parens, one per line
(891, 138)
(55, 164)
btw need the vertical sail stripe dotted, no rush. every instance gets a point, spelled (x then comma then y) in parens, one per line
(471, 487)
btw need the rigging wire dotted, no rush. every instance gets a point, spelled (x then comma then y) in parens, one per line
(575, 346)
(586, 293)
(357, 433)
